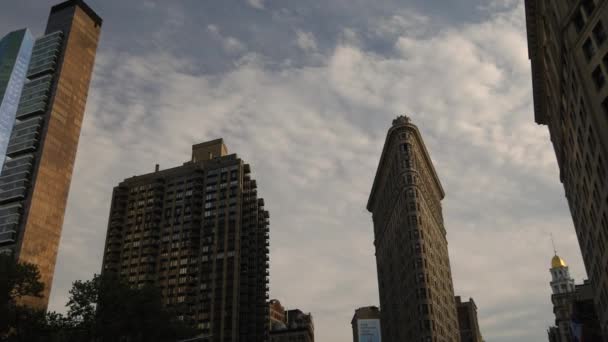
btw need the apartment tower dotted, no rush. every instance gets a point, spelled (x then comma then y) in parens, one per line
(35, 179)
(200, 233)
(414, 277)
(568, 50)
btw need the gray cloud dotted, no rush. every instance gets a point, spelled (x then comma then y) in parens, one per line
(313, 124)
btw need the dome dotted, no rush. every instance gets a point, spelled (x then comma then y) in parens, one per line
(557, 262)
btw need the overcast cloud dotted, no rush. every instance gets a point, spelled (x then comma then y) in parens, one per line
(305, 91)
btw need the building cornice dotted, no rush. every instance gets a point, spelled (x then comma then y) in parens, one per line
(86, 8)
(536, 60)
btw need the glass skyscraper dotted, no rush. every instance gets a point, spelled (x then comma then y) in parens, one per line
(15, 53)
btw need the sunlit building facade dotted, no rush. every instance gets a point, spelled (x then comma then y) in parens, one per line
(36, 176)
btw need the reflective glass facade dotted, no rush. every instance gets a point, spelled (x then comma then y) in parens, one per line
(24, 136)
(15, 52)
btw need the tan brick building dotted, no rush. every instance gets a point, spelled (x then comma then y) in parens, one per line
(36, 177)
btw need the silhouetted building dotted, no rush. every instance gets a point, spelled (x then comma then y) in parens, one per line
(568, 49)
(200, 233)
(575, 316)
(35, 179)
(366, 324)
(467, 321)
(15, 53)
(299, 327)
(414, 276)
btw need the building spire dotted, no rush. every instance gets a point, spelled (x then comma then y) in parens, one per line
(553, 243)
(402, 120)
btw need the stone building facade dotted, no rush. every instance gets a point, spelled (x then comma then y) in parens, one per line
(414, 276)
(568, 50)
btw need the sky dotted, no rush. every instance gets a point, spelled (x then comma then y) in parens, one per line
(305, 91)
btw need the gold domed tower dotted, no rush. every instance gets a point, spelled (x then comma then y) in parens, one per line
(557, 262)
(561, 282)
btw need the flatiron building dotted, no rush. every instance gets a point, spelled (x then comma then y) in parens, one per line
(414, 277)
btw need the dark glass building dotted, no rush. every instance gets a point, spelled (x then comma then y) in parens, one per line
(200, 233)
(15, 53)
(35, 179)
(568, 50)
(414, 276)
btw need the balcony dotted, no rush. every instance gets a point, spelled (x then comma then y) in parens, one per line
(12, 195)
(27, 146)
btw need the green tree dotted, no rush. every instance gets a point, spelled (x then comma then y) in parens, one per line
(99, 310)
(18, 280)
(107, 309)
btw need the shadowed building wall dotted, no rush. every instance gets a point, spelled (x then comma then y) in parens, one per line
(467, 321)
(414, 276)
(568, 50)
(42, 148)
(200, 233)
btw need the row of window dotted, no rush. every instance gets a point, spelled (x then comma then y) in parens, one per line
(582, 14)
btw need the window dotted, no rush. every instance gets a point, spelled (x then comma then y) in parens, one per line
(591, 139)
(598, 77)
(579, 21)
(589, 49)
(588, 6)
(599, 34)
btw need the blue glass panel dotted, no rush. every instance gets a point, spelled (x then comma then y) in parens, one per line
(15, 53)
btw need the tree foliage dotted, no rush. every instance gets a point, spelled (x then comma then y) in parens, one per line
(107, 309)
(101, 309)
(18, 280)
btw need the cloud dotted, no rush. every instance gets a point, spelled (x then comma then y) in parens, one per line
(231, 45)
(306, 41)
(314, 134)
(259, 4)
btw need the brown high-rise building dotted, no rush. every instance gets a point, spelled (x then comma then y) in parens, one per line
(414, 277)
(35, 179)
(297, 327)
(568, 49)
(276, 314)
(467, 321)
(200, 233)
